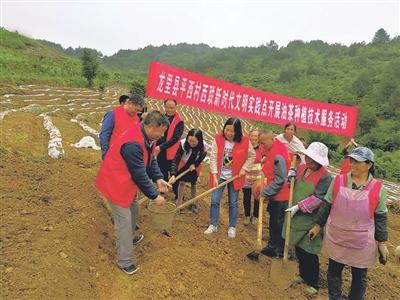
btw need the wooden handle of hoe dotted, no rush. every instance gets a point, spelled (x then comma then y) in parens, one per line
(206, 193)
(260, 224)
(288, 217)
(180, 175)
(142, 200)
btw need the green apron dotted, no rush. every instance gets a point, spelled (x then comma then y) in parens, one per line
(303, 222)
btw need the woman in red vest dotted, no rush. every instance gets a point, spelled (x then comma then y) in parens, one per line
(190, 155)
(252, 177)
(231, 154)
(312, 183)
(355, 215)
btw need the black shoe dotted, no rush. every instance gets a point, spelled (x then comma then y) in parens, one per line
(137, 239)
(193, 208)
(268, 252)
(132, 269)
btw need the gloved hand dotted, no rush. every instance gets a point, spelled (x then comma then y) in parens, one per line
(383, 253)
(293, 210)
(291, 175)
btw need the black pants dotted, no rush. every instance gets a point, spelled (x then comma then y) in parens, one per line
(247, 203)
(165, 168)
(308, 267)
(276, 218)
(358, 281)
(164, 164)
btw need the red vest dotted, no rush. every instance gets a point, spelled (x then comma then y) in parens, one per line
(278, 148)
(373, 194)
(240, 152)
(171, 151)
(314, 177)
(345, 168)
(123, 121)
(113, 179)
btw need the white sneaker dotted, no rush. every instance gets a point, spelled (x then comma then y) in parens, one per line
(211, 229)
(232, 232)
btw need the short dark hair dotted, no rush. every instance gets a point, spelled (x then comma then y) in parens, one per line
(156, 118)
(136, 99)
(170, 99)
(291, 124)
(198, 134)
(237, 127)
(123, 99)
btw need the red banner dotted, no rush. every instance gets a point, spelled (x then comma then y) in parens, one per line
(212, 94)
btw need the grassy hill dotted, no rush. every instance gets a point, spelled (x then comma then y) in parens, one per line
(24, 60)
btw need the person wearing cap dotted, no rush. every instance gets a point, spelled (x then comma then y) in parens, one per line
(118, 120)
(130, 167)
(312, 181)
(355, 213)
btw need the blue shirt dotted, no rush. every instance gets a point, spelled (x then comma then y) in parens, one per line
(107, 128)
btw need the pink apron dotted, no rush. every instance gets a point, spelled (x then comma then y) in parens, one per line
(350, 228)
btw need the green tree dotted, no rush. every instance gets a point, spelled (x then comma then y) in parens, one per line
(367, 119)
(90, 66)
(380, 37)
(362, 85)
(138, 88)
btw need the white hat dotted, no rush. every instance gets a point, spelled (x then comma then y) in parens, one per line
(318, 152)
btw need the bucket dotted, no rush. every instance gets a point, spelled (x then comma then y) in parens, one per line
(162, 216)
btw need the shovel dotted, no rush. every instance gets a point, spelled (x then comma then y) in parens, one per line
(254, 255)
(283, 270)
(162, 216)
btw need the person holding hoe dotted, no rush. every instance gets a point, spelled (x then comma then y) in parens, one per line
(312, 181)
(275, 170)
(129, 167)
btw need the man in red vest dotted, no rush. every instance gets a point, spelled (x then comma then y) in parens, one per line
(275, 170)
(128, 167)
(168, 145)
(118, 120)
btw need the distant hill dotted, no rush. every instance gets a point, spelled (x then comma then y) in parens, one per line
(363, 74)
(74, 52)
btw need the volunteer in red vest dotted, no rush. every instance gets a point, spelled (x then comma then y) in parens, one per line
(355, 214)
(345, 167)
(254, 175)
(276, 192)
(231, 154)
(170, 142)
(190, 155)
(118, 120)
(312, 183)
(130, 167)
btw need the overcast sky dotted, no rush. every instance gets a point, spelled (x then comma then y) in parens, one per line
(109, 26)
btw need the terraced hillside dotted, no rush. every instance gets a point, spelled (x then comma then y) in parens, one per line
(57, 240)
